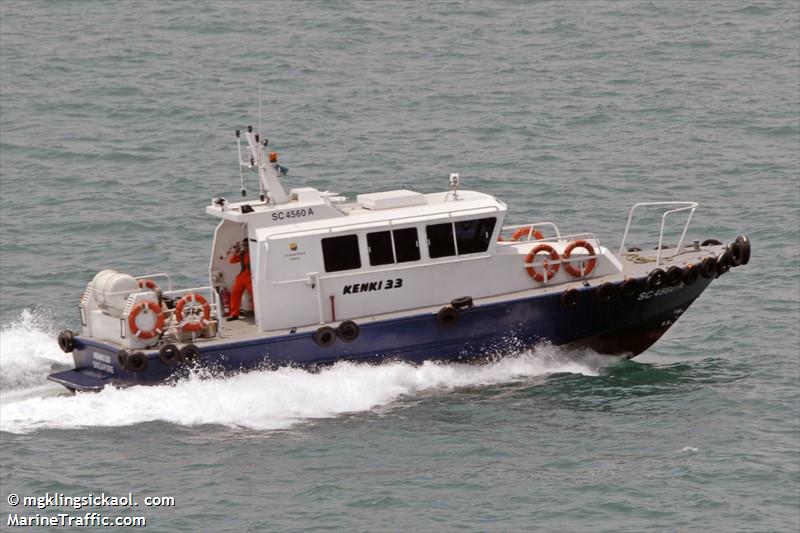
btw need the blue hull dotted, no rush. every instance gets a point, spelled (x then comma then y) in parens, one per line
(623, 326)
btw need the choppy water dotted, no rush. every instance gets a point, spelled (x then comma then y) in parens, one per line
(116, 126)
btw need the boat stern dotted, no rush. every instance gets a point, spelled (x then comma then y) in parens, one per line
(98, 364)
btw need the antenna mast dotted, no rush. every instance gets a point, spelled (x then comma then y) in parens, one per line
(269, 171)
(241, 163)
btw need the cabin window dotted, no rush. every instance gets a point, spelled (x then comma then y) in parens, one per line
(341, 253)
(379, 245)
(440, 240)
(473, 236)
(406, 244)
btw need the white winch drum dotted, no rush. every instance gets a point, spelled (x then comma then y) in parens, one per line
(111, 289)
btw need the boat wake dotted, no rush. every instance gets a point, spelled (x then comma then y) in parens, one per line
(28, 352)
(259, 400)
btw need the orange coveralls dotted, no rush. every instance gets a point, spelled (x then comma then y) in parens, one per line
(242, 282)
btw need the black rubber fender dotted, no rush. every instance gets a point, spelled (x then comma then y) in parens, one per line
(690, 275)
(170, 355)
(745, 241)
(324, 336)
(629, 288)
(711, 242)
(447, 316)
(736, 253)
(66, 341)
(348, 331)
(190, 353)
(136, 362)
(674, 275)
(570, 297)
(607, 292)
(461, 302)
(656, 278)
(740, 251)
(122, 356)
(708, 267)
(724, 261)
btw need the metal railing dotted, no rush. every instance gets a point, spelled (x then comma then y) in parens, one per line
(532, 229)
(213, 301)
(212, 296)
(690, 206)
(158, 275)
(587, 236)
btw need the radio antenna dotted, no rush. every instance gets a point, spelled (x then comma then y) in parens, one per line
(241, 174)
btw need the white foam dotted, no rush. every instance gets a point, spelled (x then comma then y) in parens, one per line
(28, 352)
(261, 400)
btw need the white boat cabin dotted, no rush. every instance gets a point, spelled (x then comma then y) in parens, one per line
(315, 261)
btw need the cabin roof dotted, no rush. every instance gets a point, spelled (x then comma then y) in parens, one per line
(359, 216)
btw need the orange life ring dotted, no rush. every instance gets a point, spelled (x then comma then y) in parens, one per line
(550, 269)
(524, 232)
(576, 272)
(196, 324)
(148, 284)
(146, 306)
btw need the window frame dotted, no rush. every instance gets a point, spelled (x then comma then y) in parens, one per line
(391, 248)
(418, 248)
(480, 222)
(357, 254)
(452, 238)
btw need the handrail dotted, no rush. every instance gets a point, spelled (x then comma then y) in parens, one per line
(559, 238)
(143, 289)
(533, 226)
(395, 267)
(157, 275)
(212, 294)
(691, 206)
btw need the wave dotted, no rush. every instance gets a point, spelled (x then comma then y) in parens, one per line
(28, 352)
(258, 400)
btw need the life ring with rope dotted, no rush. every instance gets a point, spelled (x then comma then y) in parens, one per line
(148, 284)
(195, 322)
(143, 308)
(526, 232)
(550, 269)
(592, 262)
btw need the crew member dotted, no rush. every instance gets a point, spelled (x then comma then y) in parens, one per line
(243, 281)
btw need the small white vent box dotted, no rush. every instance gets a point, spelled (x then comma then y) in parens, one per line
(391, 199)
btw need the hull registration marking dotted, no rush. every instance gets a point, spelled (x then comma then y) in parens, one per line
(646, 295)
(102, 361)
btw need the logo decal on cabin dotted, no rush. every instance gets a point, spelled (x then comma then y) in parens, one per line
(356, 288)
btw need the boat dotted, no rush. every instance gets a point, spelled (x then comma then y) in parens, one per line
(391, 275)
